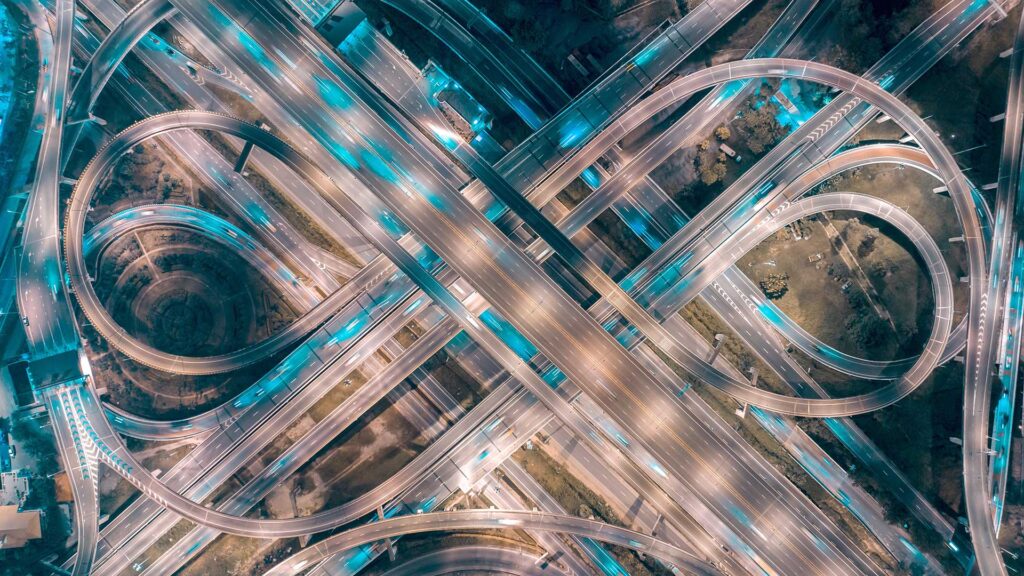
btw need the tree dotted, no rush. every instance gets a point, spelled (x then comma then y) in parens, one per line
(857, 45)
(37, 443)
(710, 166)
(858, 301)
(867, 246)
(775, 285)
(759, 125)
(722, 133)
(868, 330)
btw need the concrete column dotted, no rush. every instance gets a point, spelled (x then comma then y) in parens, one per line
(715, 348)
(243, 158)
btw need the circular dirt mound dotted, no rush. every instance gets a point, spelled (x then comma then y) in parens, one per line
(182, 314)
(188, 297)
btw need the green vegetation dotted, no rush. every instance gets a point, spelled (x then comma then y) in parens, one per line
(36, 440)
(615, 234)
(240, 308)
(865, 328)
(857, 47)
(55, 531)
(704, 320)
(864, 30)
(454, 378)
(757, 123)
(775, 285)
(23, 69)
(710, 163)
(828, 290)
(153, 393)
(148, 174)
(752, 132)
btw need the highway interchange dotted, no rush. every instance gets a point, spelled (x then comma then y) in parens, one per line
(462, 242)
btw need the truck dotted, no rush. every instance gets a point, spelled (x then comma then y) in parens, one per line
(786, 102)
(728, 151)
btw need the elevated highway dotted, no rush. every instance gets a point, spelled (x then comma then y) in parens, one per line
(468, 321)
(42, 300)
(176, 120)
(484, 519)
(472, 559)
(993, 339)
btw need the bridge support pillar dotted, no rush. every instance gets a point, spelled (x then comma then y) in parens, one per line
(54, 569)
(742, 412)
(90, 118)
(1000, 11)
(243, 158)
(392, 552)
(715, 348)
(657, 524)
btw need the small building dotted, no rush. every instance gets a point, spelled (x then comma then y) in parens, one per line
(19, 378)
(786, 103)
(14, 488)
(343, 19)
(17, 527)
(62, 486)
(451, 95)
(55, 369)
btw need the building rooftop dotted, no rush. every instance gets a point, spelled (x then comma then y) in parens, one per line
(17, 528)
(13, 488)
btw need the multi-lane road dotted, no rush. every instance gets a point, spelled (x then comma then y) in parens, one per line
(254, 68)
(424, 201)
